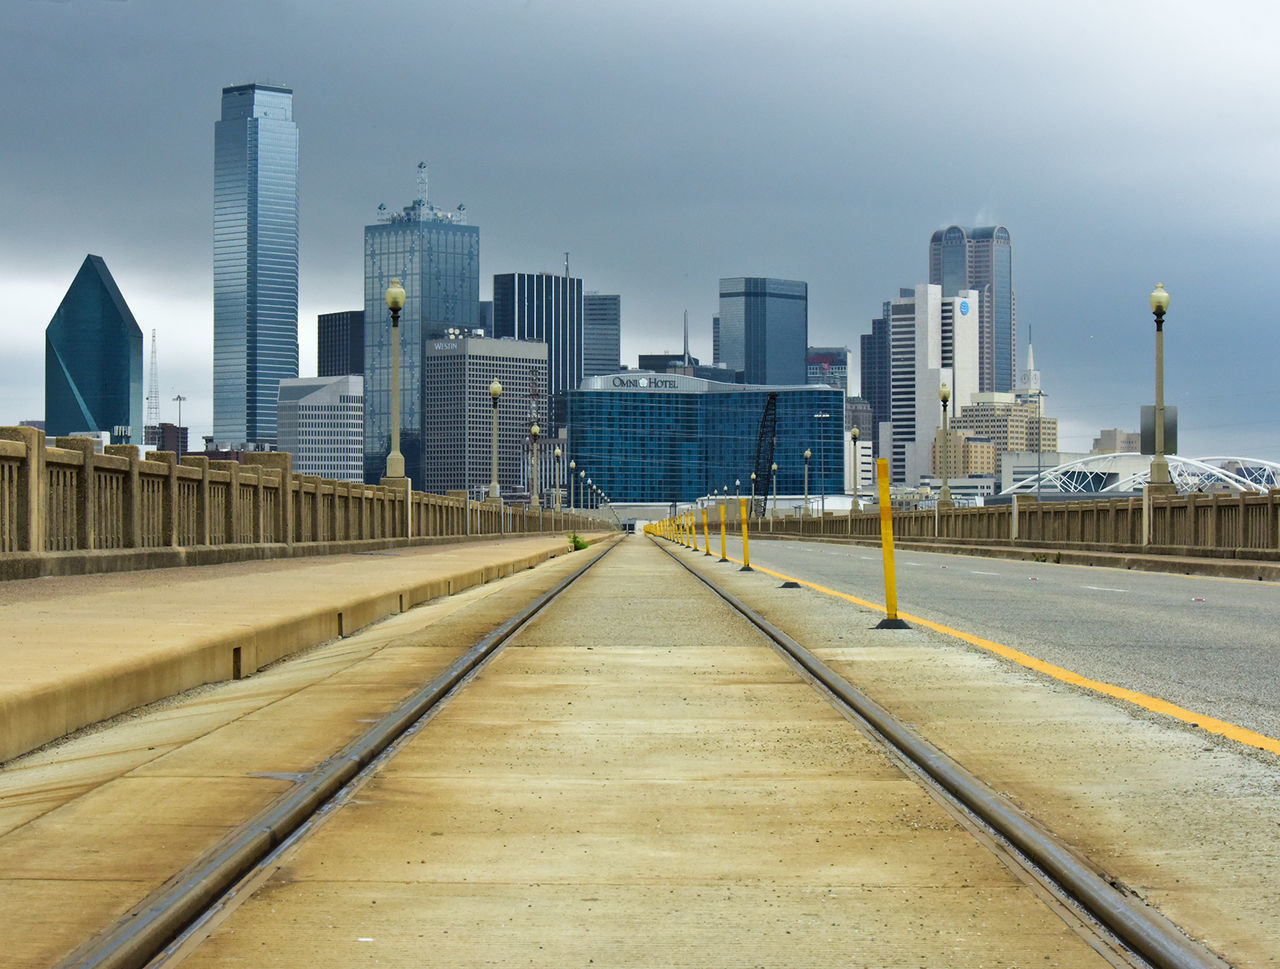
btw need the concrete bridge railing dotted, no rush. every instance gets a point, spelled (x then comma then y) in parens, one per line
(67, 498)
(1245, 525)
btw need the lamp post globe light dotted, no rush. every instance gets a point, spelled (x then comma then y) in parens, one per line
(853, 436)
(1159, 465)
(495, 391)
(944, 395)
(395, 303)
(558, 453)
(807, 455)
(534, 431)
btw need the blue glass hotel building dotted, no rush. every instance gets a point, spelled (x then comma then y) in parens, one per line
(646, 437)
(255, 261)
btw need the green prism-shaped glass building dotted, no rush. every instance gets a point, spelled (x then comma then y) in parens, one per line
(93, 360)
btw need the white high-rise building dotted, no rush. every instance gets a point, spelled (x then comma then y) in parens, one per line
(933, 340)
(321, 423)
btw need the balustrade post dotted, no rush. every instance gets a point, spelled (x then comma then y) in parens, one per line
(31, 524)
(86, 506)
(168, 497)
(131, 497)
(201, 463)
(231, 507)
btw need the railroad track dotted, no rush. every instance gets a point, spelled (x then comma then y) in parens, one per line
(162, 930)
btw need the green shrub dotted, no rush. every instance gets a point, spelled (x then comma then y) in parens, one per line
(577, 541)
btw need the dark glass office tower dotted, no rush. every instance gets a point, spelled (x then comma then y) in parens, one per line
(93, 360)
(982, 259)
(764, 328)
(436, 256)
(340, 343)
(601, 334)
(875, 371)
(255, 260)
(548, 309)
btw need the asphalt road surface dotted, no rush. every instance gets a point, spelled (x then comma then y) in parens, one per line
(1209, 645)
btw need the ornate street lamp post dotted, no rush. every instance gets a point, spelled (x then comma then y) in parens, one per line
(1159, 465)
(395, 303)
(495, 391)
(853, 436)
(558, 478)
(944, 395)
(752, 506)
(533, 480)
(774, 470)
(807, 455)
(573, 466)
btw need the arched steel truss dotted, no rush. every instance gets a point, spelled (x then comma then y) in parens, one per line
(1128, 471)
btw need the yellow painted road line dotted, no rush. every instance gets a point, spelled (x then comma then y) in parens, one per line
(1222, 728)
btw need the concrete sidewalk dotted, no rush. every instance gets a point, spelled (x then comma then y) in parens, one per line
(80, 649)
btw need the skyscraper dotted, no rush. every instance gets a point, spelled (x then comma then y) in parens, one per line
(601, 334)
(764, 328)
(436, 256)
(932, 340)
(93, 360)
(546, 308)
(459, 436)
(982, 259)
(874, 364)
(321, 423)
(340, 343)
(255, 260)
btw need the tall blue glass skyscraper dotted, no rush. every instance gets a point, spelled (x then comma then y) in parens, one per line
(982, 259)
(255, 260)
(93, 360)
(436, 257)
(764, 328)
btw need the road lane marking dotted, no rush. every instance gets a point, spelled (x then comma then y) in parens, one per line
(1209, 724)
(976, 572)
(1102, 588)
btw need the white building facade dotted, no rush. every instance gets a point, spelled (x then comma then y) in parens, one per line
(933, 340)
(321, 423)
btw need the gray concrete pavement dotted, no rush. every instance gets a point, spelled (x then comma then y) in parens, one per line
(1207, 644)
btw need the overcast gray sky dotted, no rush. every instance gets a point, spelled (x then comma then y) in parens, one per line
(667, 144)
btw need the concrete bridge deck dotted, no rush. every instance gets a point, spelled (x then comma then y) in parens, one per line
(79, 649)
(89, 826)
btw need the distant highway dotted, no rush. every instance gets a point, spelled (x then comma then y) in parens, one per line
(1210, 645)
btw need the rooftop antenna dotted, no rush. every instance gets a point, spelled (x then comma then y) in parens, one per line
(686, 338)
(153, 395)
(422, 183)
(566, 264)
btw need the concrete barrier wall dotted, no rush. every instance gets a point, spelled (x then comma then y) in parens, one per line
(1243, 525)
(62, 499)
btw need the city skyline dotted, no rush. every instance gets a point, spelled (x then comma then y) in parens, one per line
(1145, 167)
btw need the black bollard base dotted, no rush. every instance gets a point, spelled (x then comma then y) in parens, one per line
(892, 624)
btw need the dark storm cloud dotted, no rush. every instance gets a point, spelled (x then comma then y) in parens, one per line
(665, 145)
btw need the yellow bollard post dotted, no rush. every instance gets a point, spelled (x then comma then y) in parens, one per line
(723, 557)
(746, 554)
(692, 531)
(706, 533)
(890, 620)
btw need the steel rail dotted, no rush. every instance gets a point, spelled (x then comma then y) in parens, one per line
(1136, 925)
(163, 916)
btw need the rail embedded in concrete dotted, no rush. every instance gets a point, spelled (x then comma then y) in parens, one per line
(66, 509)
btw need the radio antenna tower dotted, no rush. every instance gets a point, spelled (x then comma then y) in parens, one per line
(153, 394)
